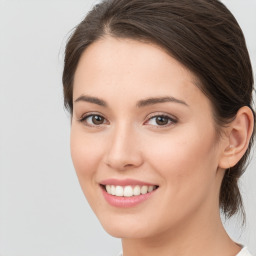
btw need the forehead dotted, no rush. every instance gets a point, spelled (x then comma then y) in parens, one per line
(121, 67)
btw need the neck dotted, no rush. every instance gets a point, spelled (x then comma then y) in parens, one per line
(196, 237)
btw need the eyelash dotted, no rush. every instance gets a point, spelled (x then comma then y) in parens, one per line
(171, 120)
(84, 118)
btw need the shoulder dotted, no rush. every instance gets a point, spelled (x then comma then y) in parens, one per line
(244, 252)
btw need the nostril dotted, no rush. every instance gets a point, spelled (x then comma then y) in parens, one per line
(128, 165)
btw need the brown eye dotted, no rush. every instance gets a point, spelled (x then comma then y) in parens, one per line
(93, 120)
(162, 120)
(97, 120)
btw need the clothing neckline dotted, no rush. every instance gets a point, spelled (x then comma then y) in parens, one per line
(243, 252)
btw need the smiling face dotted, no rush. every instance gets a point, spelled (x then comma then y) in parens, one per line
(143, 132)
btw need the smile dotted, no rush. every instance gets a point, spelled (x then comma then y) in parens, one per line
(128, 191)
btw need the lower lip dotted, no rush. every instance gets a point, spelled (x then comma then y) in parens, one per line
(125, 202)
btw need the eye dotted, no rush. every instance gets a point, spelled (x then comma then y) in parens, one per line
(93, 120)
(161, 120)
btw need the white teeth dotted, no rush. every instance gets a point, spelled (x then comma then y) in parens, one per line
(136, 190)
(119, 191)
(108, 188)
(150, 188)
(113, 190)
(144, 190)
(129, 191)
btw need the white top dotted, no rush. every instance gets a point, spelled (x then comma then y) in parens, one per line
(243, 252)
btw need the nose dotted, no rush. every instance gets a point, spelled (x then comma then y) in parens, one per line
(123, 151)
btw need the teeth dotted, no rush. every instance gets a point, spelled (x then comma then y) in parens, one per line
(136, 190)
(119, 191)
(113, 190)
(144, 190)
(108, 188)
(128, 191)
(150, 188)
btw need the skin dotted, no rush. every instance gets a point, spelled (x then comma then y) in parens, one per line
(185, 158)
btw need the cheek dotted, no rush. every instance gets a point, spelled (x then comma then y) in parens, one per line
(184, 148)
(85, 155)
(187, 163)
(187, 168)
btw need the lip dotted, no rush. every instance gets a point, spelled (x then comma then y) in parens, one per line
(125, 182)
(125, 202)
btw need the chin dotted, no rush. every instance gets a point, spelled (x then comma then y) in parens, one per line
(119, 231)
(127, 226)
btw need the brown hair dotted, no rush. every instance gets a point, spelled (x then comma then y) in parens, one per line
(202, 35)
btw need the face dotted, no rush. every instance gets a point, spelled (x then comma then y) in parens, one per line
(143, 140)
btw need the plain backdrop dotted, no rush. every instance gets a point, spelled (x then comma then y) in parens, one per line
(42, 209)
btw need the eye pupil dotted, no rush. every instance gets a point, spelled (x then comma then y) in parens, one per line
(161, 120)
(97, 119)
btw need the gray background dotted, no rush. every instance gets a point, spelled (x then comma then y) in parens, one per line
(42, 209)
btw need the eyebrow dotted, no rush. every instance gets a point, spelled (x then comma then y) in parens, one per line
(152, 101)
(141, 103)
(93, 100)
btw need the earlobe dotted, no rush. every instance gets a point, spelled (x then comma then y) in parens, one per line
(239, 134)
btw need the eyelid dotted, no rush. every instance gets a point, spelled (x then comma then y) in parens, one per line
(172, 118)
(89, 114)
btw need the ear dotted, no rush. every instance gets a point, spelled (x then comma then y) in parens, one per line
(239, 132)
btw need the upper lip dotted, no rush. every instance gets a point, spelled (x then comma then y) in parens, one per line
(125, 182)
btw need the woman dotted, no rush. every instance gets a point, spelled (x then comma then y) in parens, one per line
(160, 94)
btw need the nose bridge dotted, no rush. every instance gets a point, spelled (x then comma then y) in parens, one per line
(123, 150)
